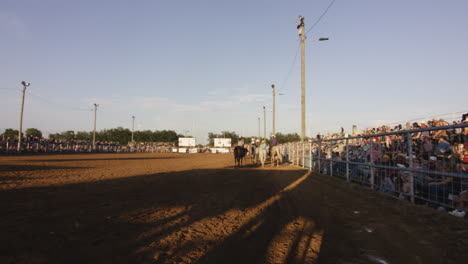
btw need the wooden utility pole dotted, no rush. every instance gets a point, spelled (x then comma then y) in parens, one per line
(259, 135)
(25, 85)
(133, 126)
(300, 27)
(264, 123)
(94, 130)
(274, 109)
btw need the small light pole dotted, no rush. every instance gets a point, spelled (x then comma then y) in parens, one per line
(274, 109)
(94, 130)
(25, 85)
(133, 127)
(264, 123)
(259, 128)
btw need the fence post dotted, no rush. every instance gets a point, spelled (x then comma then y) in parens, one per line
(303, 155)
(372, 162)
(310, 153)
(290, 154)
(410, 161)
(331, 158)
(297, 154)
(319, 156)
(347, 161)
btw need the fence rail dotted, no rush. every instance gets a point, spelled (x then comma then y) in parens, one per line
(425, 166)
(34, 146)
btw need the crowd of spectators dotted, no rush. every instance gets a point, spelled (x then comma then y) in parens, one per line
(42, 145)
(436, 170)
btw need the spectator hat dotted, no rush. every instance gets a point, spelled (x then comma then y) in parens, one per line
(432, 158)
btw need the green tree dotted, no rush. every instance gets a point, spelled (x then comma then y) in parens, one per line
(143, 136)
(10, 133)
(119, 134)
(165, 136)
(83, 135)
(33, 132)
(67, 135)
(285, 138)
(211, 137)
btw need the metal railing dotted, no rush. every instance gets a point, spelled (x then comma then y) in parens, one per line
(425, 166)
(10, 147)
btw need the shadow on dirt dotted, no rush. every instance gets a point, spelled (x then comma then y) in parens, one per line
(194, 216)
(20, 168)
(97, 159)
(121, 219)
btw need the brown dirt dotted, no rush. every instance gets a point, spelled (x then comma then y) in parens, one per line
(177, 208)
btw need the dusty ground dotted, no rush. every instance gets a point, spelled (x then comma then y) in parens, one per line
(176, 208)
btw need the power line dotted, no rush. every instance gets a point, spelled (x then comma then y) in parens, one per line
(58, 104)
(320, 18)
(291, 68)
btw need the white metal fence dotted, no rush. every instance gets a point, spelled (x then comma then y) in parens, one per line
(427, 166)
(48, 146)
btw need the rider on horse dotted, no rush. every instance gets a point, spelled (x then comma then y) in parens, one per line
(274, 151)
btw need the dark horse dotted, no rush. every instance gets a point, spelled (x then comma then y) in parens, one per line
(239, 154)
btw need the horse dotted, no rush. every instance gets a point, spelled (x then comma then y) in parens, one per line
(239, 154)
(262, 154)
(253, 153)
(276, 156)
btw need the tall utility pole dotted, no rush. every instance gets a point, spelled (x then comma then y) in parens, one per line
(133, 126)
(259, 128)
(264, 123)
(274, 108)
(25, 85)
(300, 27)
(94, 130)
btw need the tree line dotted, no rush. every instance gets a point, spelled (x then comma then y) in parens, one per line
(124, 135)
(119, 134)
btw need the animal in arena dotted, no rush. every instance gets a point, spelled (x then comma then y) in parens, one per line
(276, 157)
(253, 151)
(262, 153)
(239, 154)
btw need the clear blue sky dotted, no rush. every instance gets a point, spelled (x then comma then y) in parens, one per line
(207, 66)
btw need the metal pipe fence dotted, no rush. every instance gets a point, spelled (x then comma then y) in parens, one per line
(425, 166)
(39, 146)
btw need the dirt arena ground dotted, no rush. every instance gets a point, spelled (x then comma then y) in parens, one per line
(181, 208)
